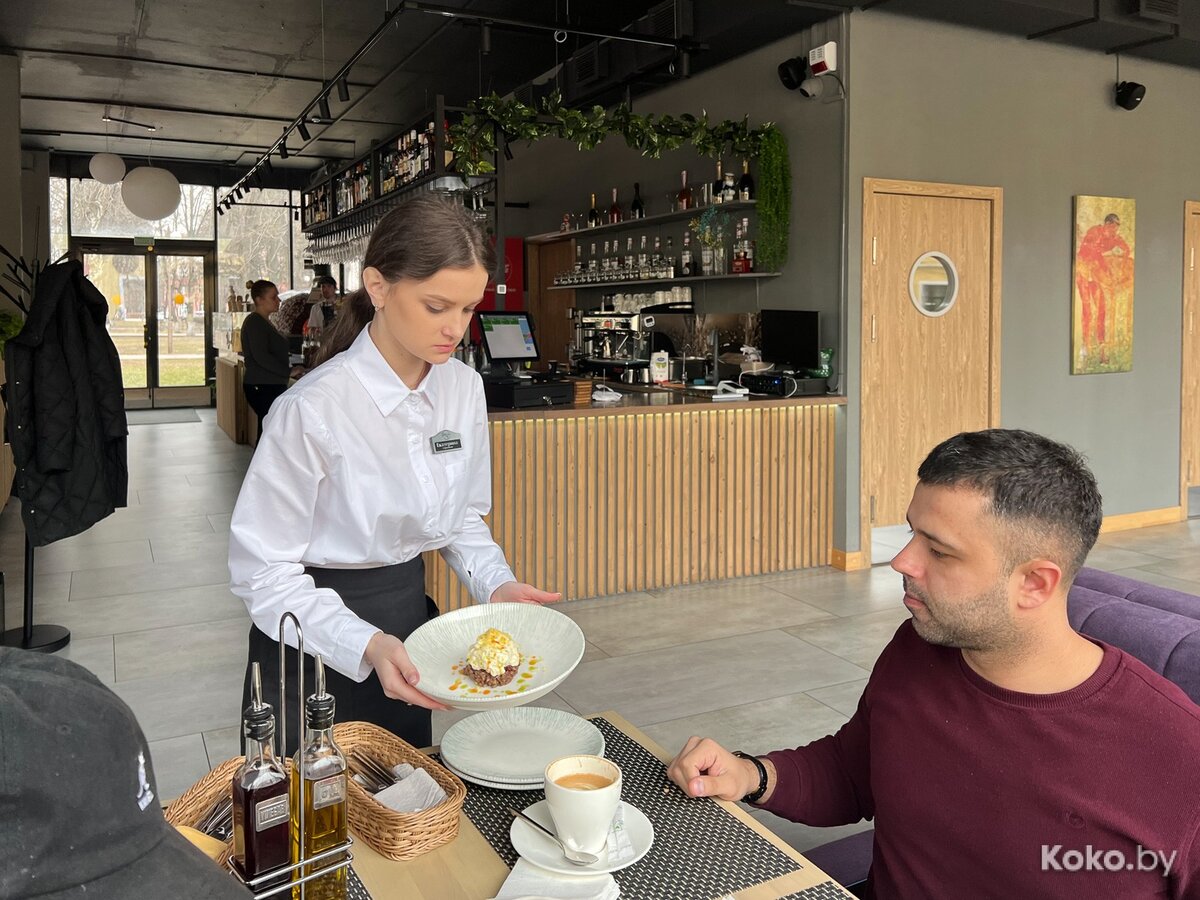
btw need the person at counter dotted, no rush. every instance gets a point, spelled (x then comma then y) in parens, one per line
(994, 744)
(380, 454)
(265, 352)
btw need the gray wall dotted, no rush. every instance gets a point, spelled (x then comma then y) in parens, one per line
(35, 204)
(555, 177)
(935, 102)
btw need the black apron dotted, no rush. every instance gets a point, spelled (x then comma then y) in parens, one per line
(392, 598)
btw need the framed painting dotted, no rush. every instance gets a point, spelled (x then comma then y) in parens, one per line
(1102, 285)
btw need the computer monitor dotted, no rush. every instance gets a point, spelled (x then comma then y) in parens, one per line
(508, 336)
(791, 338)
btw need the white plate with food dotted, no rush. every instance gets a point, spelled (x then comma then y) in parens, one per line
(540, 850)
(495, 655)
(515, 745)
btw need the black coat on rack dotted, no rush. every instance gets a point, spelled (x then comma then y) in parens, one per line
(66, 409)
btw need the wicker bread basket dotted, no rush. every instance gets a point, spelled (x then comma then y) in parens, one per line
(398, 835)
(197, 800)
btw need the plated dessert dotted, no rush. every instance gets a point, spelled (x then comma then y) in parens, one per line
(493, 659)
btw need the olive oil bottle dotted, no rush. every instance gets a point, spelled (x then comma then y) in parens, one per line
(324, 799)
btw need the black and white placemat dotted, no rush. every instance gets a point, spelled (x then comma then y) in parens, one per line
(700, 851)
(355, 889)
(826, 890)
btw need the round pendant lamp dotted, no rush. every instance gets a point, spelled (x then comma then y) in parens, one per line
(150, 193)
(107, 168)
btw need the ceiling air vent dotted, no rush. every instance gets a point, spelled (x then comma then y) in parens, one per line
(589, 63)
(1160, 10)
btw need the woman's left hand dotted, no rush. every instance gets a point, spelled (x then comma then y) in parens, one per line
(516, 592)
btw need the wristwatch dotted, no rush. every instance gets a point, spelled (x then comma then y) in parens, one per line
(755, 795)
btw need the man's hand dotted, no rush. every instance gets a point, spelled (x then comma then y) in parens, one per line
(516, 592)
(395, 671)
(704, 768)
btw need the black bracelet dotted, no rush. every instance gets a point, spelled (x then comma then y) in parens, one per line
(755, 795)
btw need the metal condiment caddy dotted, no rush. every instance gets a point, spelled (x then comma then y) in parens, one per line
(330, 857)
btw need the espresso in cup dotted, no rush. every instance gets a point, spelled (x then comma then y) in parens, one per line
(584, 781)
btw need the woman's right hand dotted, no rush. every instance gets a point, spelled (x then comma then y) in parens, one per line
(395, 671)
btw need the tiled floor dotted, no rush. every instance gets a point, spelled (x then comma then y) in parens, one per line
(145, 596)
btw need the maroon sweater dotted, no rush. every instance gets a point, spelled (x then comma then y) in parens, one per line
(967, 782)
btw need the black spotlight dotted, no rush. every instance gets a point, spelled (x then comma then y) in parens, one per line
(343, 90)
(283, 150)
(793, 71)
(303, 129)
(323, 108)
(1129, 94)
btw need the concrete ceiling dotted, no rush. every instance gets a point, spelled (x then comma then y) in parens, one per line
(220, 78)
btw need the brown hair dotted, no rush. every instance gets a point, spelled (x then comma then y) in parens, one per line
(258, 289)
(415, 240)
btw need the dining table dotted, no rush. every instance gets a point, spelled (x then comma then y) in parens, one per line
(704, 849)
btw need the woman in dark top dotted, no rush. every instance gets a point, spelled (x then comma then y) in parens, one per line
(265, 351)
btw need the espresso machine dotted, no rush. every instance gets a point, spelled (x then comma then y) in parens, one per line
(613, 345)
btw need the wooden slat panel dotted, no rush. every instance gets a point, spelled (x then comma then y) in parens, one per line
(600, 505)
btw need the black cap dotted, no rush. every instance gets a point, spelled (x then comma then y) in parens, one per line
(80, 808)
(258, 719)
(320, 707)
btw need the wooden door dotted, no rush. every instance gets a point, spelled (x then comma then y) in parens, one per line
(1189, 456)
(550, 309)
(933, 371)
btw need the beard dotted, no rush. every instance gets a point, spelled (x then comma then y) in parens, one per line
(980, 623)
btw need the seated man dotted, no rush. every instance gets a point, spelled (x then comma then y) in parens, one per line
(1000, 753)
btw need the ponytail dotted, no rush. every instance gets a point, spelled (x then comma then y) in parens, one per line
(355, 314)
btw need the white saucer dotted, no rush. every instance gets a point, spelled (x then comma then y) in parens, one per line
(538, 849)
(514, 746)
(498, 785)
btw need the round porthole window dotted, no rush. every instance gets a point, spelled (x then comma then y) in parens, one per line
(933, 284)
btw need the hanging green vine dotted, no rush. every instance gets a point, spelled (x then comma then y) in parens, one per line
(473, 140)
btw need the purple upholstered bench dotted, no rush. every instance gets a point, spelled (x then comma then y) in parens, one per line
(1157, 625)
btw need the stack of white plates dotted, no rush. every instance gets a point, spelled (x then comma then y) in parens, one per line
(509, 749)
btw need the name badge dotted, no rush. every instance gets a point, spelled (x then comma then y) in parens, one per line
(445, 442)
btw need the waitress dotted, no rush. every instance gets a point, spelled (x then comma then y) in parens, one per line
(347, 487)
(265, 352)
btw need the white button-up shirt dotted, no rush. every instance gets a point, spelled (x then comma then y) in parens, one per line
(346, 477)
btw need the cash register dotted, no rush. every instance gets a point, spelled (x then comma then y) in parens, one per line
(509, 342)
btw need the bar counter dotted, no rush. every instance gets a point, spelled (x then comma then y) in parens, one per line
(657, 490)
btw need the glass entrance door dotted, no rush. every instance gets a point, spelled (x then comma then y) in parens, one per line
(160, 303)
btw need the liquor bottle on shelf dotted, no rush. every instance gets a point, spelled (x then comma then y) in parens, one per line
(717, 186)
(593, 267)
(629, 269)
(614, 212)
(593, 214)
(746, 182)
(738, 266)
(669, 269)
(658, 269)
(643, 261)
(683, 199)
(729, 188)
(747, 245)
(638, 209)
(324, 767)
(685, 257)
(606, 264)
(261, 838)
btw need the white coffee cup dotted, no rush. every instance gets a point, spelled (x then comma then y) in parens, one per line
(582, 793)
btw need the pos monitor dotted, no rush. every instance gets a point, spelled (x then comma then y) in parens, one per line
(508, 336)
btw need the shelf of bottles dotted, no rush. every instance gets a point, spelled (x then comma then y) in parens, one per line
(318, 205)
(354, 187)
(415, 158)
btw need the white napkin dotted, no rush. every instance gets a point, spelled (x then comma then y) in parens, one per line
(526, 882)
(415, 793)
(402, 770)
(530, 882)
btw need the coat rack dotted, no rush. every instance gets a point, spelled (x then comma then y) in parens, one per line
(43, 638)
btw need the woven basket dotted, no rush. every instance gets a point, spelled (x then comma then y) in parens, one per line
(197, 800)
(392, 834)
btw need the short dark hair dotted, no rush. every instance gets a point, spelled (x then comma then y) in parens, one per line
(1041, 489)
(326, 279)
(258, 289)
